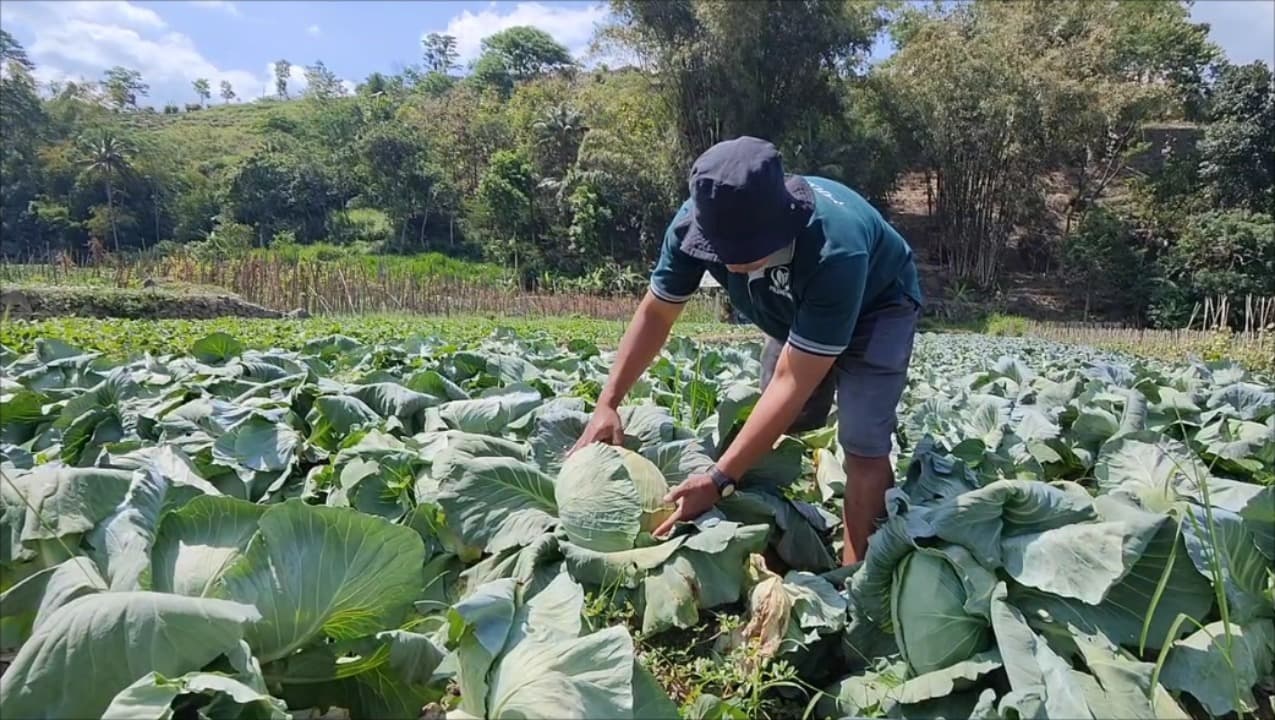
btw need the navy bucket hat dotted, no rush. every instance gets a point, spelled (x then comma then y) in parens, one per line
(745, 207)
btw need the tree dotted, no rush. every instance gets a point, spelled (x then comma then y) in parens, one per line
(439, 53)
(23, 128)
(395, 168)
(54, 222)
(282, 187)
(11, 51)
(322, 83)
(1235, 153)
(502, 214)
(1127, 63)
(755, 68)
(203, 90)
(106, 155)
(993, 95)
(1224, 253)
(227, 92)
(517, 54)
(558, 133)
(282, 70)
(123, 86)
(1104, 259)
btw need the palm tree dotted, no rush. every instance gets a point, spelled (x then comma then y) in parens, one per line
(560, 128)
(106, 154)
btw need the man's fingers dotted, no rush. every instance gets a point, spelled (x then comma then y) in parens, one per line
(676, 494)
(665, 527)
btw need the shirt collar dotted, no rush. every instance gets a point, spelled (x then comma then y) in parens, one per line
(783, 257)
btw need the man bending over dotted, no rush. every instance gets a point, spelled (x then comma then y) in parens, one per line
(834, 288)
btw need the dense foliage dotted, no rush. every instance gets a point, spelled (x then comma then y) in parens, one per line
(1021, 117)
(378, 527)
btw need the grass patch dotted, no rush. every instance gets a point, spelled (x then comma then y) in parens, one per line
(703, 672)
(998, 325)
(425, 265)
(118, 337)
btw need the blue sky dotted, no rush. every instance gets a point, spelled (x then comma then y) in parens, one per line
(173, 42)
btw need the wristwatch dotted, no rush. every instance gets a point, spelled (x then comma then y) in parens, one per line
(725, 483)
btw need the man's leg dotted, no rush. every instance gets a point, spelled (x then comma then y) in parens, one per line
(867, 480)
(871, 376)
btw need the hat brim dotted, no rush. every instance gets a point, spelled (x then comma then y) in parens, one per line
(700, 247)
(765, 242)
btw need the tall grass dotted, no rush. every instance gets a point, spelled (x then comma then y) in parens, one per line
(354, 260)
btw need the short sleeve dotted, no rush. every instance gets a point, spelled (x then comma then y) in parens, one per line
(829, 308)
(677, 275)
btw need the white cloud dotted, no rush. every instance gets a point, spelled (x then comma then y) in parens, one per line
(81, 40)
(572, 25)
(223, 5)
(1243, 28)
(112, 12)
(314, 31)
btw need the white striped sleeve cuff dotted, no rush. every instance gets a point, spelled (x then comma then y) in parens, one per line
(669, 297)
(814, 348)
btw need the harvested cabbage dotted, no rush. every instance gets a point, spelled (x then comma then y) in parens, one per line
(607, 495)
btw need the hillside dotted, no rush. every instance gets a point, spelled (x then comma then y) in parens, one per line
(220, 133)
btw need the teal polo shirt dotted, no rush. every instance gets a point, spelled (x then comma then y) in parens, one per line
(846, 262)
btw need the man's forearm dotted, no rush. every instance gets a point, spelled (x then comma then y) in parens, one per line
(641, 343)
(796, 376)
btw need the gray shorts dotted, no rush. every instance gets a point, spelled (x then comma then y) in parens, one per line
(867, 379)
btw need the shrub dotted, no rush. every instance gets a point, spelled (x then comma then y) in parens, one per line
(1224, 253)
(1006, 325)
(1103, 257)
(361, 225)
(227, 240)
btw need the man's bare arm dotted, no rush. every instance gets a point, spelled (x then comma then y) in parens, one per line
(642, 341)
(646, 334)
(797, 374)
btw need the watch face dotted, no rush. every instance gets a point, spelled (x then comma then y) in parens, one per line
(728, 490)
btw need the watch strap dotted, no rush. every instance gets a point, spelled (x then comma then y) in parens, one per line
(721, 480)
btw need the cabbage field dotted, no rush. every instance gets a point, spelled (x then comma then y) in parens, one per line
(395, 531)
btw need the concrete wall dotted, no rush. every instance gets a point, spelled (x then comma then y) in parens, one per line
(1164, 142)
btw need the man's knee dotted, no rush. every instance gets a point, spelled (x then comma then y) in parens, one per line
(867, 440)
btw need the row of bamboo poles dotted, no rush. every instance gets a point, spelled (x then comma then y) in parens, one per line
(331, 288)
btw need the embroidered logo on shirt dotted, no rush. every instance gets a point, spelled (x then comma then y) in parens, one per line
(779, 279)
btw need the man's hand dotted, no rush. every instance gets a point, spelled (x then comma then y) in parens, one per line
(695, 496)
(603, 427)
(639, 346)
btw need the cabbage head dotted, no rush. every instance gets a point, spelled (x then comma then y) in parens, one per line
(932, 625)
(607, 495)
